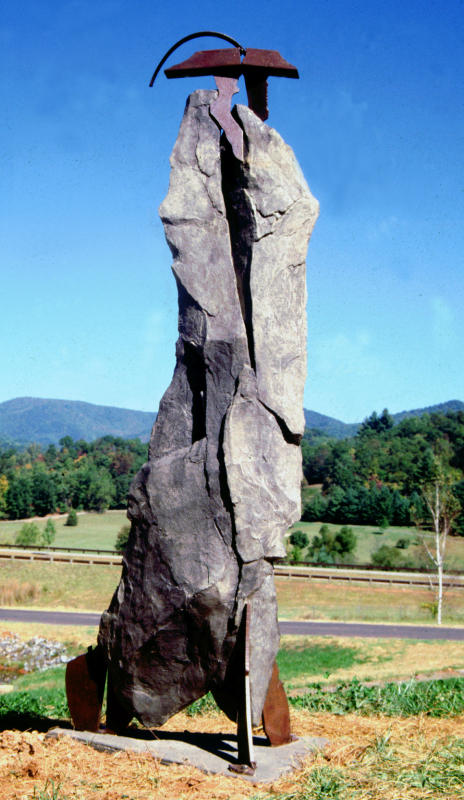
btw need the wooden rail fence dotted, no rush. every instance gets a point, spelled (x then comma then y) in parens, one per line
(351, 574)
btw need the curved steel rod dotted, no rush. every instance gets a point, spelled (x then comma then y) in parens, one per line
(195, 36)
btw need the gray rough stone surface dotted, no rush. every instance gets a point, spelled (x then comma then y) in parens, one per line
(222, 481)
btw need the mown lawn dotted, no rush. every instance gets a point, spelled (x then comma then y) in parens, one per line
(93, 531)
(37, 584)
(370, 538)
(321, 599)
(99, 531)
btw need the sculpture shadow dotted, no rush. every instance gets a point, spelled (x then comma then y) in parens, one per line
(222, 745)
(23, 721)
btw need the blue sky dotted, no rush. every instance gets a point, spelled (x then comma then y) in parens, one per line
(88, 301)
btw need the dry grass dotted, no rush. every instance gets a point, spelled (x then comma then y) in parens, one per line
(80, 587)
(321, 599)
(14, 593)
(368, 758)
(90, 587)
(379, 659)
(371, 759)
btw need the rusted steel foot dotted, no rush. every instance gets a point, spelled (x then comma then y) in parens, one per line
(85, 685)
(243, 769)
(276, 715)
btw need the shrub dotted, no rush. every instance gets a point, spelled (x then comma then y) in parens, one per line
(329, 547)
(295, 554)
(435, 698)
(49, 532)
(122, 538)
(402, 544)
(28, 534)
(387, 557)
(299, 539)
(72, 519)
(346, 540)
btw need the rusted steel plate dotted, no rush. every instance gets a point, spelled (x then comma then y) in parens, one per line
(270, 61)
(208, 62)
(85, 683)
(276, 716)
(228, 62)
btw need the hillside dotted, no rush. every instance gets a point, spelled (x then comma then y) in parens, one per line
(329, 426)
(337, 429)
(442, 408)
(32, 419)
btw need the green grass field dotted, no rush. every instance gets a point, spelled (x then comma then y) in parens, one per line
(61, 586)
(99, 531)
(370, 538)
(323, 600)
(94, 531)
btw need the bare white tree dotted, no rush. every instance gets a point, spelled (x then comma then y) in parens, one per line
(442, 508)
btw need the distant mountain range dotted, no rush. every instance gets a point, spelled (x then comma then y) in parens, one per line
(31, 419)
(342, 430)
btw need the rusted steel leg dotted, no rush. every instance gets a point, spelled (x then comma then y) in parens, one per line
(246, 759)
(117, 718)
(276, 716)
(85, 684)
(256, 86)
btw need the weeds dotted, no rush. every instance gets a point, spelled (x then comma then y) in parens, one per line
(204, 705)
(386, 771)
(49, 792)
(439, 769)
(435, 698)
(39, 703)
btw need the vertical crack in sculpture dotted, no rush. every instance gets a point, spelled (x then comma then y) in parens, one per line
(241, 231)
(222, 481)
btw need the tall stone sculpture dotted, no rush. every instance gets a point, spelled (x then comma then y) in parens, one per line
(210, 508)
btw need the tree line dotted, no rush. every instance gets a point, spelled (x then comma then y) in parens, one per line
(377, 476)
(95, 476)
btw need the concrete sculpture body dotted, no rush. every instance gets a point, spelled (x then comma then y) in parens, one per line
(222, 482)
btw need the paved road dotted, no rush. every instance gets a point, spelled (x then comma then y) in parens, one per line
(370, 630)
(49, 617)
